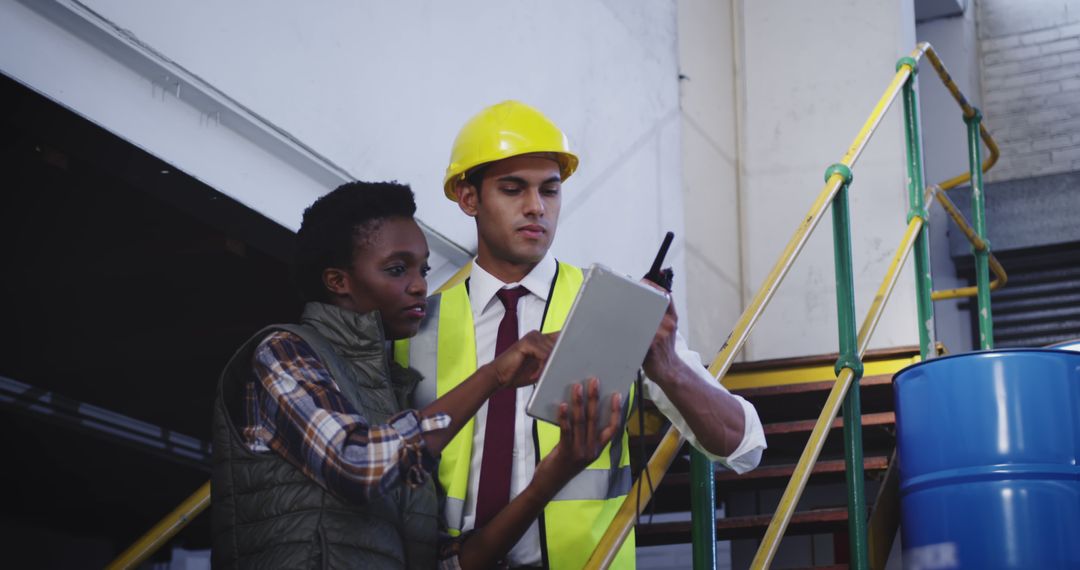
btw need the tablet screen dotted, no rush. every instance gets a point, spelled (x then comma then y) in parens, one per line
(607, 335)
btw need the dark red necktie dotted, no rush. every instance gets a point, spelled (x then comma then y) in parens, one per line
(497, 458)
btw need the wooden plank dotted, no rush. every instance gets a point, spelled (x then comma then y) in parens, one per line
(791, 389)
(789, 428)
(878, 419)
(822, 373)
(815, 368)
(821, 359)
(780, 472)
(804, 522)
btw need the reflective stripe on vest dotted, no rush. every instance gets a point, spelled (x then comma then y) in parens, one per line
(445, 349)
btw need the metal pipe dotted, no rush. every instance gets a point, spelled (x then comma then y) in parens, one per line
(849, 359)
(1000, 277)
(968, 110)
(107, 424)
(924, 284)
(164, 530)
(978, 212)
(702, 511)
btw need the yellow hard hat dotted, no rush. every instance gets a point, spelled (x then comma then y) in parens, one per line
(507, 129)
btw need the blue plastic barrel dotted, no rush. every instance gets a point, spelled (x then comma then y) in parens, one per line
(989, 455)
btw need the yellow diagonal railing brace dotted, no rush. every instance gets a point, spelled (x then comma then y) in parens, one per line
(1000, 277)
(160, 534)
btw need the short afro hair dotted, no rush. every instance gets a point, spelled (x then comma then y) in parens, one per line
(339, 221)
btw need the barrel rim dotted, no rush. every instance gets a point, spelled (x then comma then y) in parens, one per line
(1071, 345)
(984, 354)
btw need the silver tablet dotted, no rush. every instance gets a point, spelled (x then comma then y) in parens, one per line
(607, 334)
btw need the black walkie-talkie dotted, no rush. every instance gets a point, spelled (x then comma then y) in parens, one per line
(662, 277)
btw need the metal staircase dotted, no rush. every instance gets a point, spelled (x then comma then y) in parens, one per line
(868, 540)
(787, 393)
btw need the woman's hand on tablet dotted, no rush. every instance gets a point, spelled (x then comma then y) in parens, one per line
(521, 364)
(580, 443)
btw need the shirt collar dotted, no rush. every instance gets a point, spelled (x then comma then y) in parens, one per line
(483, 285)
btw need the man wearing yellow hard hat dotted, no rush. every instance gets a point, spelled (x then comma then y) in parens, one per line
(507, 169)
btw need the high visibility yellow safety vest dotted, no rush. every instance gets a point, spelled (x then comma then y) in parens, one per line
(573, 522)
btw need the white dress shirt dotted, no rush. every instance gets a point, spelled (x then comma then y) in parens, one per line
(487, 314)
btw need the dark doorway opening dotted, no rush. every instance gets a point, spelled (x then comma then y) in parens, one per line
(126, 285)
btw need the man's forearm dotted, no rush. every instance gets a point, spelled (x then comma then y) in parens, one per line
(714, 415)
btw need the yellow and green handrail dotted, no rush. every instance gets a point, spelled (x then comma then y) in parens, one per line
(852, 347)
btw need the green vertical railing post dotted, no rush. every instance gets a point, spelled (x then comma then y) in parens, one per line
(702, 511)
(849, 358)
(978, 211)
(924, 284)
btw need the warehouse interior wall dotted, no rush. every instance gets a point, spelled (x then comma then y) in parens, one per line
(813, 73)
(761, 123)
(710, 161)
(324, 85)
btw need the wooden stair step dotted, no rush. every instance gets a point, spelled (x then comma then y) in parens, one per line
(791, 427)
(806, 426)
(801, 401)
(781, 472)
(786, 443)
(672, 495)
(821, 359)
(815, 521)
(806, 387)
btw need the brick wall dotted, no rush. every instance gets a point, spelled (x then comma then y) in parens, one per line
(1030, 63)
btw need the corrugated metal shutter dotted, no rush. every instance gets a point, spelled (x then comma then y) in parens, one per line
(1040, 304)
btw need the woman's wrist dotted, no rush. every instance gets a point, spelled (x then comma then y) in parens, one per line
(489, 378)
(540, 491)
(553, 476)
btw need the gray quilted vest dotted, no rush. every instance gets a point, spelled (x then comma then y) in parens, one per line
(267, 514)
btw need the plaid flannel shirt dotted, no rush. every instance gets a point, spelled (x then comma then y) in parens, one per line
(296, 410)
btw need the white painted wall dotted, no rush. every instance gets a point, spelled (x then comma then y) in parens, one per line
(379, 90)
(707, 56)
(813, 73)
